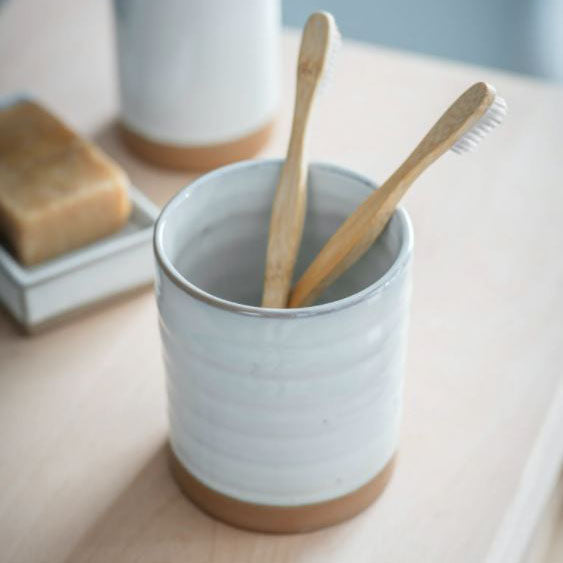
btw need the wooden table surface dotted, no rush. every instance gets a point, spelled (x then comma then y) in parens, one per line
(82, 408)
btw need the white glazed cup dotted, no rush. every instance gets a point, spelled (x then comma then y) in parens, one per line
(199, 79)
(281, 420)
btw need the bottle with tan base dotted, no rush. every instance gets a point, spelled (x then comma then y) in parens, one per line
(199, 79)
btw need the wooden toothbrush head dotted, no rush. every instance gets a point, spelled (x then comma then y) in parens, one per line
(315, 53)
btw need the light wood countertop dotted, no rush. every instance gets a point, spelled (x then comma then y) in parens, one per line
(82, 407)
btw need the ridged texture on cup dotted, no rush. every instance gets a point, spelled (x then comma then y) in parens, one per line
(280, 411)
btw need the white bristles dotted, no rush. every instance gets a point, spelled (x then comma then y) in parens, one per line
(491, 118)
(329, 64)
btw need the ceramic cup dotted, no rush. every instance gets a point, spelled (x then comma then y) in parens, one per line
(281, 420)
(199, 79)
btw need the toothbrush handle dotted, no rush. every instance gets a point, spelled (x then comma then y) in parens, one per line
(359, 231)
(290, 201)
(353, 238)
(288, 210)
(286, 230)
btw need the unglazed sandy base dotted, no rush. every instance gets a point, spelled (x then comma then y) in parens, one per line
(278, 519)
(193, 157)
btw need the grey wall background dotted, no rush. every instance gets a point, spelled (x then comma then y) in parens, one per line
(517, 35)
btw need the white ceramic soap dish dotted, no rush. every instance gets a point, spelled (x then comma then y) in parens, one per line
(39, 295)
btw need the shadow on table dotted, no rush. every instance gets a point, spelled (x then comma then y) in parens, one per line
(12, 330)
(151, 520)
(9, 327)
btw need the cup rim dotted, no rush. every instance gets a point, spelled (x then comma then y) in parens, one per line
(196, 292)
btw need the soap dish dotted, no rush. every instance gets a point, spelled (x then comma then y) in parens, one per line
(38, 296)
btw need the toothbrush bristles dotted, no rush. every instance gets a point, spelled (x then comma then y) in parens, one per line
(329, 64)
(491, 118)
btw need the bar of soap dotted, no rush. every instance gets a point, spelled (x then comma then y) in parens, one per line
(58, 192)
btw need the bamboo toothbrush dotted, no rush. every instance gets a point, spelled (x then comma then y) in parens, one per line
(319, 42)
(476, 112)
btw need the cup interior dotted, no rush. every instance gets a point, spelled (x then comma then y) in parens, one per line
(214, 234)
